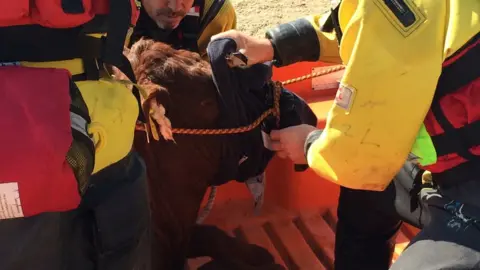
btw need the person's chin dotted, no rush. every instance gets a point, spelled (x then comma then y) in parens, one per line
(168, 25)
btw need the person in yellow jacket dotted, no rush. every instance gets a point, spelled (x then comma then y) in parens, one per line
(184, 24)
(103, 222)
(411, 88)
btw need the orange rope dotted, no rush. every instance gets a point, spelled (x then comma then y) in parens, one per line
(278, 86)
(313, 75)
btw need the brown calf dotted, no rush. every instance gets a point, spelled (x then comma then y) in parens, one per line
(180, 168)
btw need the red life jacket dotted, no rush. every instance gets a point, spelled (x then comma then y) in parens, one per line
(54, 30)
(57, 13)
(453, 121)
(48, 156)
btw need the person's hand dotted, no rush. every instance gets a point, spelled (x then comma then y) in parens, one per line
(289, 142)
(257, 50)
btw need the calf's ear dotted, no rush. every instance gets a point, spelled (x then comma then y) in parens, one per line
(156, 106)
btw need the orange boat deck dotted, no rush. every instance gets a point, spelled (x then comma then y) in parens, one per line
(302, 239)
(298, 218)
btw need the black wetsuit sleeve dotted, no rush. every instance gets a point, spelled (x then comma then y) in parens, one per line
(293, 42)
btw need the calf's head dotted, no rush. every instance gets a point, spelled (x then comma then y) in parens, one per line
(177, 80)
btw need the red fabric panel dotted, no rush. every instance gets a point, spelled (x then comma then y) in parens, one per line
(461, 107)
(36, 136)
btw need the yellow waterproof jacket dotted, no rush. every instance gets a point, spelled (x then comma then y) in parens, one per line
(112, 107)
(393, 52)
(225, 19)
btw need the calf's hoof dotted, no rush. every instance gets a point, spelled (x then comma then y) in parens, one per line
(255, 255)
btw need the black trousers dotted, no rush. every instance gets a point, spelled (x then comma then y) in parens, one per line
(451, 240)
(449, 217)
(109, 231)
(368, 222)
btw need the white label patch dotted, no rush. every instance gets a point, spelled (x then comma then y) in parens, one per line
(194, 11)
(256, 185)
(345, 96)
(8, 64)
(10, 205)
(267, 142)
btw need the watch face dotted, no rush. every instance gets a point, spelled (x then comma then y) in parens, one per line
(237, 59)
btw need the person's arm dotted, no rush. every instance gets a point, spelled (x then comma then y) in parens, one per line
(393, 56)
(304, 40)
(225, 19)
